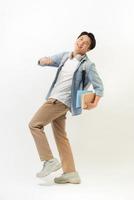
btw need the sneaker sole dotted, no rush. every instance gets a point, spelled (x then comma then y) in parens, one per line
(57, 168)
(73, 181)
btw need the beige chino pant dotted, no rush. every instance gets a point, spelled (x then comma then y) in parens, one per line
(54, 112)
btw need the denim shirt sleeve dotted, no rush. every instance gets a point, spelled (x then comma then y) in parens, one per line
(96, 81)
(56, 60)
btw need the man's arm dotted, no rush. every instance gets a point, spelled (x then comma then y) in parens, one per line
(45, 61)
(54, 60)
(97, 85)
(95, 80)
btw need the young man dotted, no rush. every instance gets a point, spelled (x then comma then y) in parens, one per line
(60, 99)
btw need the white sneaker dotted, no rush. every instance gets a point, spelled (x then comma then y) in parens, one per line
(70, 177)
(49, 166)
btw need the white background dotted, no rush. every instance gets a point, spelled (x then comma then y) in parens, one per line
(102, 139)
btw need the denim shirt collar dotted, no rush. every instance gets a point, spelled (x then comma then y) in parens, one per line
(78, 56)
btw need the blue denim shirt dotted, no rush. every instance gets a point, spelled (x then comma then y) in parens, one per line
(92, 77)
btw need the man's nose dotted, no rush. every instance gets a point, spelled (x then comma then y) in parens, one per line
(81, 44)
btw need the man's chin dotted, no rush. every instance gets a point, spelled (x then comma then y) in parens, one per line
(77, 52)
(80, 53)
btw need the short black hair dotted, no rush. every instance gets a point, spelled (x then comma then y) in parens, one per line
(91, 36)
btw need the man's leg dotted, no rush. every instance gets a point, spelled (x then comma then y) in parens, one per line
(46, 113)
(63, 145)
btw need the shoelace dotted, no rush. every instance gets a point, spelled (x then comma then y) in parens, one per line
(47, 161)
(44, 164)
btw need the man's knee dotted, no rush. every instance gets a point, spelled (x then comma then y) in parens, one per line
(35, 125)
(31, 125)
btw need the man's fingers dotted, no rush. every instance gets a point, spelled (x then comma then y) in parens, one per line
(88, 106)
(45, 61)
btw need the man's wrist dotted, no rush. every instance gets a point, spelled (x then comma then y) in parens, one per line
(97, 98)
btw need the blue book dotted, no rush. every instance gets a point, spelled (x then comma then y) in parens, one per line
(80, 94)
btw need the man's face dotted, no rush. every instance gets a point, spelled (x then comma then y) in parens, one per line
(82, 44)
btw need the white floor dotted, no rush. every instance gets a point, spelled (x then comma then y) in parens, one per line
(104, 160)
(97, 184)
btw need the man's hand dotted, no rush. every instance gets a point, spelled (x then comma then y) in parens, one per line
(45, 61)
(89, 105)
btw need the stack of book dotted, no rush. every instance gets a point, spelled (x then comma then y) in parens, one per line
(83, 98)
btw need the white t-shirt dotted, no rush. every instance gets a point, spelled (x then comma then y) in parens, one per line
(62, 87)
